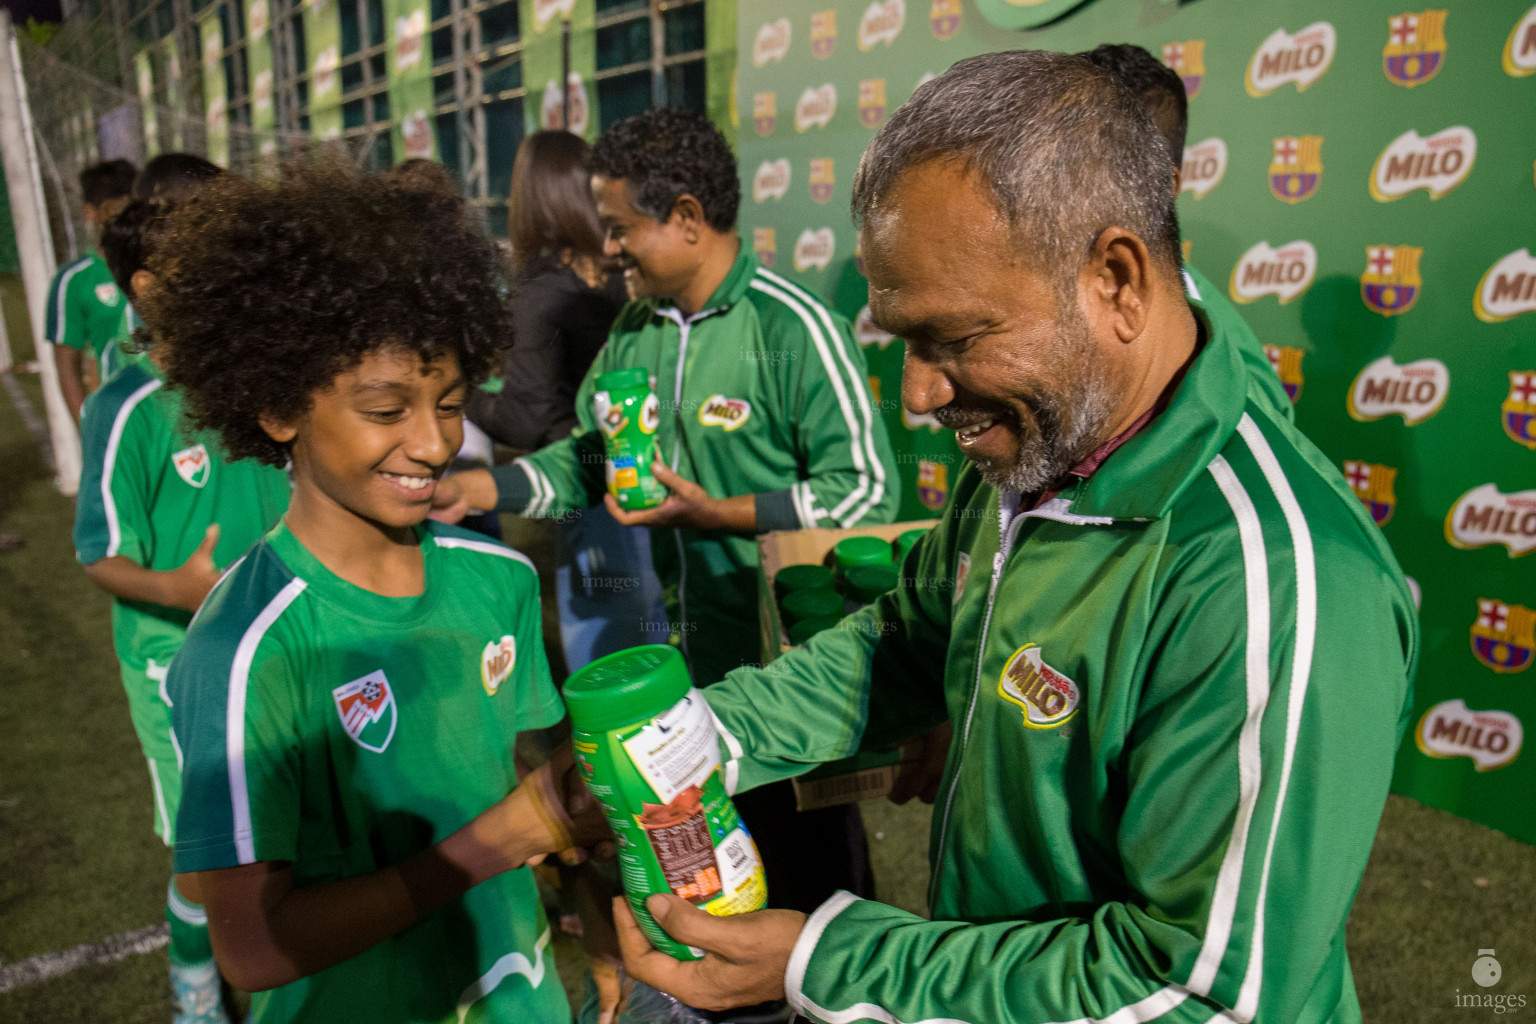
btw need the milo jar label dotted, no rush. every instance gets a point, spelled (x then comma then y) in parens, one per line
(628, 413)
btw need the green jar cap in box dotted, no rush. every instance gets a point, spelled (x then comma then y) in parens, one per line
(809, 604)
(626, 687)
(851, 551)
(618, 380)
(867, 582)
(801, 577)
(803, 630)
(906, 541)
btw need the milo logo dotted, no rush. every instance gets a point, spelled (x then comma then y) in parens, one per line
(1047, 697)
(1436, 164)
(1282, 57)
(719, 411)
(650, 414)
(1204, 165)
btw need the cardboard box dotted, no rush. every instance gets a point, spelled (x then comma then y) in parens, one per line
(869, 774)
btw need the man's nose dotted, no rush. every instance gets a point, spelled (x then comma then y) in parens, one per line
(924, 386)
(611, 248)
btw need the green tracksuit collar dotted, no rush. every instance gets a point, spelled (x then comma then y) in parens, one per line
(1146, 475)
(730, 291)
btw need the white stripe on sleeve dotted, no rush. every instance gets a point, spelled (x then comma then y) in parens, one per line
(109, 463)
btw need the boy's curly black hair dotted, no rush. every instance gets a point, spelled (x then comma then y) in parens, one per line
(667, 153)
(268, 290)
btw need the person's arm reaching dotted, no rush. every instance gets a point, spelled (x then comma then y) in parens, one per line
(183, 587)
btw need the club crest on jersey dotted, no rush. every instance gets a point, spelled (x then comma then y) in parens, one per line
(1507, 289)
(1204, 165)
(719, 411)
(1390, 284)
(1520, 408)
(882, 23)
(1436, 163)
(193, 465)
(823, 179)
(765, 244)
(944, 18)
(1491, 739)
(772, 42)
(932, 483)
(1504, 635)
(1285, 272)
(871, 102)
(765, 112)
(1301, 59)
(1187, 59)
(1486, 515)
(1415, 49)
(816, 107)
(1287, 364)
(367, 711)
(866, 333)
(496, 663)
(1297, 168)
(1047, 697)
(107, 293)
(962, 571)
(1520, 47)
(814, 249)
(1372, 484)
(1415, 391)
(823, 33)
(771, 180)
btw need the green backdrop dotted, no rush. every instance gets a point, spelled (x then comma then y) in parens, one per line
(1360, 180)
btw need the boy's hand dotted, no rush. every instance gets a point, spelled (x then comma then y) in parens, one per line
(189, 583)
(448, 502)
(744, 956)
(550, 811)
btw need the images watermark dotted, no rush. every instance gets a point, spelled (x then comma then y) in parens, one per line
(1487, 972)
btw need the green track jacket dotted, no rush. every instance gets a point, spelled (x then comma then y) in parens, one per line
(762, 392)
(1177, 690)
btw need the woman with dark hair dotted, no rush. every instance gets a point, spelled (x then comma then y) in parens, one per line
(566, 299)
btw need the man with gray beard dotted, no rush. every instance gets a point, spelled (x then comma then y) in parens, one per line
(1174, 647)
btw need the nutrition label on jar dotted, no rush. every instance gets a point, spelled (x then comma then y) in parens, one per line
(677, 749)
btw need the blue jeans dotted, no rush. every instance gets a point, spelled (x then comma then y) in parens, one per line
(606, 588)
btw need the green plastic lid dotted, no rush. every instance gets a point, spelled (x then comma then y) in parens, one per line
(801, 577)
(905, 542)
(626, 687)
(808, 604)
(618, 380)
(851, 551)
(803, 630)
(867, 582)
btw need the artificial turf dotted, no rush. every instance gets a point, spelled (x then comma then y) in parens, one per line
(79, 862)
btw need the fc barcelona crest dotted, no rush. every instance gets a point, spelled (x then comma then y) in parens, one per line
(1391, 282)
(366, 708)
(1372, 484)
(1520, 408)
(193, 465)
(765, 112)
(1297, 168)
(1188, 60)
(1415, 49)
(823, 33)
(765, 245)
(871, 102)
(1287, 364)
(932, 483)
(944, 18)
(1504, 635)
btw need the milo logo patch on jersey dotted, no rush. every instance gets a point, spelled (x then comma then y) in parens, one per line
(366, 707)
(496, 663)
(719, 411)
(193, 465)
(1047, 697)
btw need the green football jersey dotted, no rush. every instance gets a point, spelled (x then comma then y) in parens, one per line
(343, 731)
(149, 492)
(85, 307)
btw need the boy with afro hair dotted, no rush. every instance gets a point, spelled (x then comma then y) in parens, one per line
(350, 694)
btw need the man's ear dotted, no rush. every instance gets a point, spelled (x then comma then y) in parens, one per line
(1120, 280)
(143, 283)
(689, 214)
(281, 431)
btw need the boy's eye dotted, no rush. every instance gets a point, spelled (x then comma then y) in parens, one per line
(450, 408)
(384, 415)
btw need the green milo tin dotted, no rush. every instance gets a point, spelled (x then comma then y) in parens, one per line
(628, 414)
(647, 747)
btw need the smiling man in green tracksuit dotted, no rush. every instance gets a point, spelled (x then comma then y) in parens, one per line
(1175, 650)
(766, 424)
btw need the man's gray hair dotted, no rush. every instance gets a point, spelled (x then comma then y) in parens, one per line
(1065, 150)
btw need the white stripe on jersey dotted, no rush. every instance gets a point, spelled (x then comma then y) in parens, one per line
(485, 547)
(839, 388)
(64, 278)
(234, 717)
(859, 389)
(109, 463)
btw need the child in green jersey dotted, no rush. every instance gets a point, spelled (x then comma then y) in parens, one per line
(350, 695)
(160, 511)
